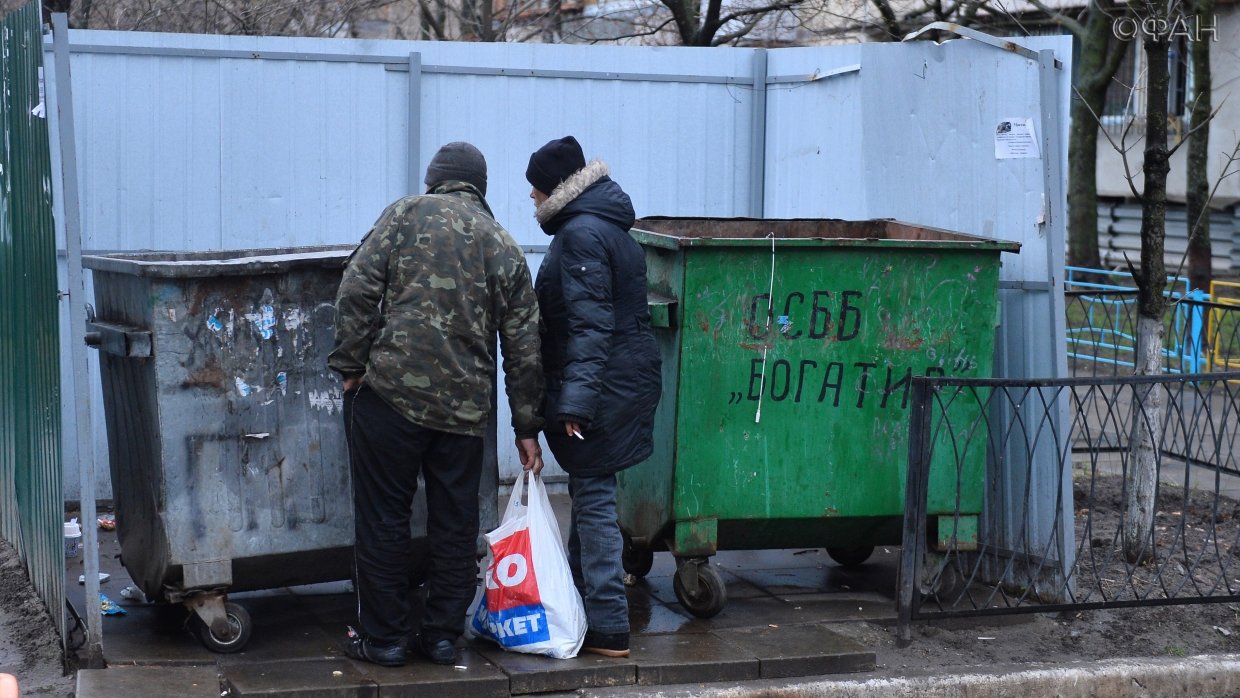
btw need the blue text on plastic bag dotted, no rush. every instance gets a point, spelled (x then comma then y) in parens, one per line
(513, 627)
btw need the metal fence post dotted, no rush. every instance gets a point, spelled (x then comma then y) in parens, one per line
(77, 324)
(914, 509)
(415, 123)
(757, 140)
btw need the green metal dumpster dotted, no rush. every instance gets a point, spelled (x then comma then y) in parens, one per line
(226, 444)
(789, 348)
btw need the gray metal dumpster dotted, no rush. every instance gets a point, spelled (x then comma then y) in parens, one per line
(229, 466)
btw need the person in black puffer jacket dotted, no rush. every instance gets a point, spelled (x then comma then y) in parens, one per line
(602, 367)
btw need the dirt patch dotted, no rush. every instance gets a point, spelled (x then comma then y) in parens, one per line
(29, 645)
(1197, 543)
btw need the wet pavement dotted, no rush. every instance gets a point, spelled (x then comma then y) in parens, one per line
(783, 619)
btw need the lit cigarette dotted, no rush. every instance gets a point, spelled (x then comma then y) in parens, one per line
(578, 435)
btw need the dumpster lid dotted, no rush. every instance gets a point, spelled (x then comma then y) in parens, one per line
(220, 262)
(673, 233)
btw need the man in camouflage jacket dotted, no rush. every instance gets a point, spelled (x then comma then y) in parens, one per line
(417, 314)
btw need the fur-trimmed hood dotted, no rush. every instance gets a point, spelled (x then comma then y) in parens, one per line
(589, 190)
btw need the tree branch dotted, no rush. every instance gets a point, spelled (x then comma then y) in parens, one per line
(1122, 151)
(892, 25)
(745, 28)
(435, 23)
(1062, 20)
(1197, 127)
(773, 7)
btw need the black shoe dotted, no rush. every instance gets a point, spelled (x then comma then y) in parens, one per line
(606, 644)
(361, 649)
(438, 651)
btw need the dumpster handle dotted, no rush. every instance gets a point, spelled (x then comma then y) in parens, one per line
(661, 310)
(118, 339)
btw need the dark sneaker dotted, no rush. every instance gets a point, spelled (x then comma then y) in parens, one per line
(361, 649)
(437, 651)
(606, 644)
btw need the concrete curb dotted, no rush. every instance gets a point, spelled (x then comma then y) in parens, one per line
(1206, 676)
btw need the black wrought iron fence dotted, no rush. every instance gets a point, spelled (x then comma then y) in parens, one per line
(1098, 492)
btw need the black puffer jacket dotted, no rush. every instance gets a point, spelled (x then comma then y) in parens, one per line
(599, 354)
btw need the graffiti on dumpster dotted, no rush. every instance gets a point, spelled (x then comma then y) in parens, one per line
(808, 380)
(836, 315)
(830, 316)
(258, 346)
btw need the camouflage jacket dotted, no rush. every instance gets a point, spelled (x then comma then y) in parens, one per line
(420, 305)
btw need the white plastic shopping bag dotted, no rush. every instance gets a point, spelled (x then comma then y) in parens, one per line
(528, 602)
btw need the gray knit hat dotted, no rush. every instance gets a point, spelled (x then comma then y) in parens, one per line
(458, 161)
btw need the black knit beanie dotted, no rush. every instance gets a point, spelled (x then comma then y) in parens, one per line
(458, 161)
(553, 163)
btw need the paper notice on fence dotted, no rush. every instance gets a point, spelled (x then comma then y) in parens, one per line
(1015, 138)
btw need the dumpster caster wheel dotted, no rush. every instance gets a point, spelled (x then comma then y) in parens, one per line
(230, 638)
(708, 599)
(850, 557)
(637, 560)
(944, 584)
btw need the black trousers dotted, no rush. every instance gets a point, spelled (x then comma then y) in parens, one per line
(387, 452)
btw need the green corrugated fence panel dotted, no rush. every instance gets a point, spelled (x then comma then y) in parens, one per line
(31, 495)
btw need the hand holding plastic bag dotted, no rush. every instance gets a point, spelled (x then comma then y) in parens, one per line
(528, 602)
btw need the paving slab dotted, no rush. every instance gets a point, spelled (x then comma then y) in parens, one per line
(800, 650)
(299, 631)
(686, 658)
(808, 608)
(471, 677)
(530, 673)
(787, 580)
(149, 682)
(330, 678)
(285, 628)
(647, 614)
(763, 612)
(661, 587)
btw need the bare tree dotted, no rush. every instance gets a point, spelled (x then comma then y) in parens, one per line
(252, 17)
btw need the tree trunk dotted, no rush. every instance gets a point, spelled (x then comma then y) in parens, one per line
(1145, 447)
(1148, 400)
(687, 16)
(1099, 59)
(1198, 186)
(1083, 180)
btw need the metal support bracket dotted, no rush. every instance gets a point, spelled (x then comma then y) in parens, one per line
(687, 570)
(209, 606)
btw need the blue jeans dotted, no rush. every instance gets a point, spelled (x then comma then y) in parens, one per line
(594, 553)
